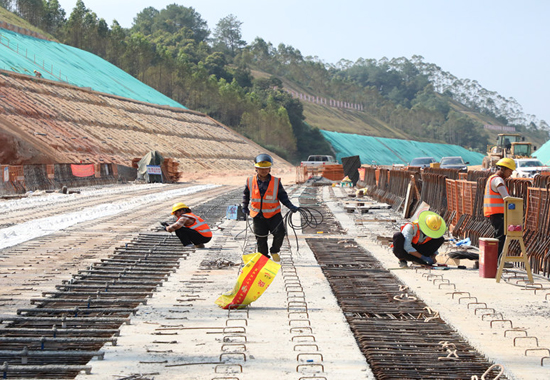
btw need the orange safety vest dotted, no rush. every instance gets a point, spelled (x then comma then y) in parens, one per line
(200, 225)
(416, 237)
(269, 205)
(492, 200)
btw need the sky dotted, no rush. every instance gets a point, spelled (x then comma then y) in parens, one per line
(503, 44)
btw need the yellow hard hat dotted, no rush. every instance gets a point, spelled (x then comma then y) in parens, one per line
(178, 206)
(263, 161)
(507, 163)
(431, 224)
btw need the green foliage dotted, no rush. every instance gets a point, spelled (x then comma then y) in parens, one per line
(30, 10)
(215, 63)
(54, 17)
(462, 131)
(173, 19)
(228, 36)
(145, 20)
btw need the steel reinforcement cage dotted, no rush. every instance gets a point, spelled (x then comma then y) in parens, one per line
(460, 202)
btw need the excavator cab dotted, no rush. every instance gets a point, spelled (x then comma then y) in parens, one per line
(522, 150)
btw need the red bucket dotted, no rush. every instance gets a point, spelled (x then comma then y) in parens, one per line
(488, 257)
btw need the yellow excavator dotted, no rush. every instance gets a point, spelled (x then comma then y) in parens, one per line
(508, 145)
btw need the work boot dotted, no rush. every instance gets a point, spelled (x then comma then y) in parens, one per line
(403, 264)
(189, 246)
(275, 257)
(199, 245)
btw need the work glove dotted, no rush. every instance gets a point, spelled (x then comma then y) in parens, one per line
(246, 210)
(427, 260)
(294, 209)
(164, 224)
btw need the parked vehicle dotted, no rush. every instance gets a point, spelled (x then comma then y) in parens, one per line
(455, 162)
(422, 162)
(319, 159)
(528, 168)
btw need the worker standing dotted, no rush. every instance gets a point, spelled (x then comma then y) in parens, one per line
(191, 229)
(419, 241)
(264, 193)
(493, 200)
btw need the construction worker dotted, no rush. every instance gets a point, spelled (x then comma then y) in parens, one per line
(419, 241)
(191, 229)
(493, 200)
(262, 193)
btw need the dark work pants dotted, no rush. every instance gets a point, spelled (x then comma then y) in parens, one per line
(262, 228)
(188, 236)
(497, 221)
(426, 249)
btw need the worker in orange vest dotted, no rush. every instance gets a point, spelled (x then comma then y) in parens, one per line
(191, 229)
(419, 241)
(262, 198)
(493, 200)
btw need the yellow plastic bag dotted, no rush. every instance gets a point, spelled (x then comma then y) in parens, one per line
(255, 277)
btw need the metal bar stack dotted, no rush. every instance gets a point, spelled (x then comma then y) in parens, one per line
(71, 324)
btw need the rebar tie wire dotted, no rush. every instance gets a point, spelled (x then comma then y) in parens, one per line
(309, 217)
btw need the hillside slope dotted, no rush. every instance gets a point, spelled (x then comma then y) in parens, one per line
(362, 122)
(10, 18)
(338, 119)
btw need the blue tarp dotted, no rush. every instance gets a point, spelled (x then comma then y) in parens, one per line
(385, 151)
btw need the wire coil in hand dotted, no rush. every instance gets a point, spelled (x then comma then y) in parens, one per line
(309, 217)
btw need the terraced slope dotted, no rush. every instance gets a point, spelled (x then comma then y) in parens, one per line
(43, 121)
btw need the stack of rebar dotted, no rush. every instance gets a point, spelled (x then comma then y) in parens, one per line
(400, 337)
(57, 338)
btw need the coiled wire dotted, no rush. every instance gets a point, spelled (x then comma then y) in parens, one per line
(309, 217)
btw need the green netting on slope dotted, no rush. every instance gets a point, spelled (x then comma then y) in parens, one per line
(385, 151)
(438, 151)
(64, 63)
(367, 148)
(543, 153)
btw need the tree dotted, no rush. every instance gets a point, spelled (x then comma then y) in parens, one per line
(116, 45)
(215, 64)
(175, 17)
(54, 17)
(227, 35)
(74, 28)
(142, 52)
(145, 20)
(243, 76)
(31, 10)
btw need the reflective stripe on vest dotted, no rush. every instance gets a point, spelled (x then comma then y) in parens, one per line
(416, 236)
(200, 225)
(492, 200)
(269, 205)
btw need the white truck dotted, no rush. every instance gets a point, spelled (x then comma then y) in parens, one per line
(319, 159)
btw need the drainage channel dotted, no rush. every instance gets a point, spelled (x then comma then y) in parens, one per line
(401, 337)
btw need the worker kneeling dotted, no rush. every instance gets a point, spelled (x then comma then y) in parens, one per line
(191, 229)
(419, 241)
